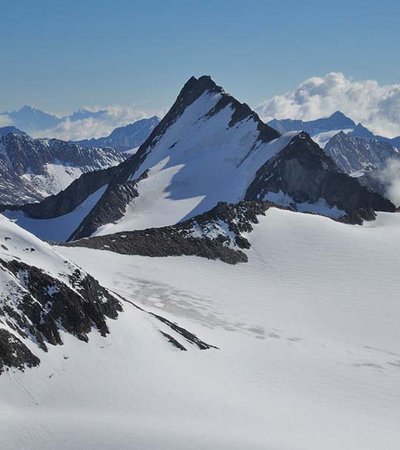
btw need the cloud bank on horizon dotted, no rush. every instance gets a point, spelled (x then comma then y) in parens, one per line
(98, 123)
(376, 106)
(86, 123)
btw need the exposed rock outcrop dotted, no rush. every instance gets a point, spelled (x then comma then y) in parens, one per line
(305, 174)
(216, 234)
(359, 154)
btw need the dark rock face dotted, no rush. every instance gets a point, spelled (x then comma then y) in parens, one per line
(112, 208)
(162, 242)
(216, 234)
(52, 305)
(25, 176)
(125, 138)
(13, 353)
(242, 111)
(190, 337)
(36, 305)
(303, 172)
(352, 153)
(337, 121)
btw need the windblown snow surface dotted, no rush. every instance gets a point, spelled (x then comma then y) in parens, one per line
(308, 335)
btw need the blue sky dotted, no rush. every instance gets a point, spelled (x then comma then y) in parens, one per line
(59, 55)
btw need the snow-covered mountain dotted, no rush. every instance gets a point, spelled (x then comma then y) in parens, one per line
(323, 129)
(355, 149)
(10, 130)
(125, 138)
(337, 121)
(30, 119)
(362, 132)
(357, 152)
(207, 149)
(32, 169)
(211, 148)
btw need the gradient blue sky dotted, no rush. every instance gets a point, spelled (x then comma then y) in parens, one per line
(61, 54)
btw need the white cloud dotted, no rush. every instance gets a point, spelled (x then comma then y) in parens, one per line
(390, 178)
(375, 106)
(5, 120)
(94, 127)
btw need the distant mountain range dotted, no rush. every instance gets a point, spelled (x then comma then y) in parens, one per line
(337, 121)
(355, 149)
(125, 138)
(39, 123)
(32, 169)
(324, 128)
(31, 119)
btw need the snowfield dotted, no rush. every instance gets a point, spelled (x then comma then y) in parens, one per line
(308, 335)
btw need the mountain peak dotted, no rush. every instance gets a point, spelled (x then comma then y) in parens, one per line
(27, 108)
(10, 130)
(362, 132)
(336, 121)
(341, 120)
(338, 114)
(195, 87)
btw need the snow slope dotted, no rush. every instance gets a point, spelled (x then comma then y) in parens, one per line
(308, 354)
(59, 228)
